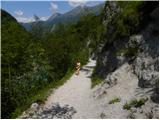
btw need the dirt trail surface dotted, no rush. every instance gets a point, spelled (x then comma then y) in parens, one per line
(77, 92)
(75, 99)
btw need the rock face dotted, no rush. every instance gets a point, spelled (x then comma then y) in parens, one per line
(55, 111)
(146, 63)
(111, 10)
(139, 48)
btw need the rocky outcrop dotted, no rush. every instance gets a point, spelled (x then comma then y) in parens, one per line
(146, 64)
(139, 48)
(111, 9)
(147, 111)
(55, 111)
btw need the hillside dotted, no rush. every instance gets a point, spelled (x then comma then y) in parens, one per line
(14, 38)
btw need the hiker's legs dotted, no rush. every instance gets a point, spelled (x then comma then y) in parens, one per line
(78, 71)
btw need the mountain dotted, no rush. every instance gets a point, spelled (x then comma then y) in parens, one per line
(27, 26)
(74, 14)
(68, 17)
(54, 16)
(6, 16)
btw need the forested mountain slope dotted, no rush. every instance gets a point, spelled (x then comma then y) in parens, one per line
(22, 60)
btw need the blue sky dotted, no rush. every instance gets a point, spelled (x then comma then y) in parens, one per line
(23, 11)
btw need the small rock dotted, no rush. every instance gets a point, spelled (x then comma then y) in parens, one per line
(102, 115)
(34, 117)
(34, 106)
(141, 111)
(44, 116)
(134, 110)
(131, 115)
(49, 116)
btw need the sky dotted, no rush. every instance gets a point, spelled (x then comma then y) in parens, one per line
(24, 11)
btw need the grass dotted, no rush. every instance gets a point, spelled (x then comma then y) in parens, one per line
(127, 106)
(42, 94)
(95, 80)
(114, 100)
(134, 103)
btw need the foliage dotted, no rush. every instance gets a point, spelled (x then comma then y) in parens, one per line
(126, 106)
(134, 103)
(95, 80)
(114, 100)
(128, 51)
(126, 22)
(42, 94)
(15, 61)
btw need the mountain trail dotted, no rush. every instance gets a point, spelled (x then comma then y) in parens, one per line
(77, 92)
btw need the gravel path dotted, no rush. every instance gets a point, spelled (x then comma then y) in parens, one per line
(77, 93)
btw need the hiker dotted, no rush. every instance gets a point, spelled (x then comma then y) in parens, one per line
(78, 66)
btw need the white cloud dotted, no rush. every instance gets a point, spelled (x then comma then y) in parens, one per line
(53, 7)
(18, 12)
(29, 19)
(75, 3)
(44, 18)
(25, 19)
(94, 3)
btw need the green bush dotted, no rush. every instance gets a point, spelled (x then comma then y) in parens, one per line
(95, 80)
(134, 103)
(126, 106)
(128, 52)
(114, 100)
(126, 22)
(138, 103)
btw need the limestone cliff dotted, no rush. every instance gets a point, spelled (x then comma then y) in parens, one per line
(131, 36)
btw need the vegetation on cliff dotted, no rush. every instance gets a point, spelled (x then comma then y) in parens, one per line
(121, 21)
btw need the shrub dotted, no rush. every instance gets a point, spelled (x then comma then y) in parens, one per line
(138, 103)
(134, 103)
(128, 51)
(114, 100)
(126, 106)
(95, 81)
